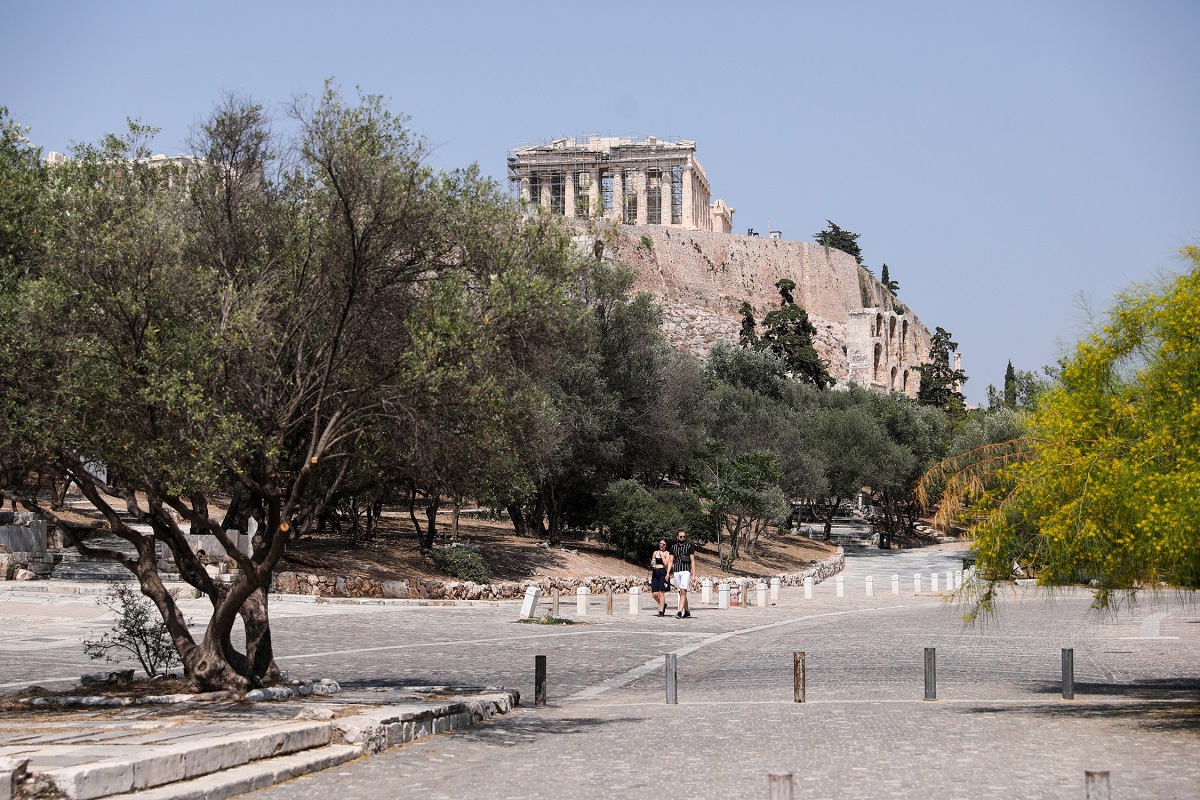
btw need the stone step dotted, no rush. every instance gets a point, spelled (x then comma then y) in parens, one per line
(157, 766)
(251, 777)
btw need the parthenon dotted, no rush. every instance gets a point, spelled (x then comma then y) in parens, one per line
(646, 181)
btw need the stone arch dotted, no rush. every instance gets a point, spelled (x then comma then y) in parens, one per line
(892, 382)
(891, 339)
(904, 382)
(878, 361)
(878, 326)
(904, 340)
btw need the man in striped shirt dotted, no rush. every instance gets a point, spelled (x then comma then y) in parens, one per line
(683, 570)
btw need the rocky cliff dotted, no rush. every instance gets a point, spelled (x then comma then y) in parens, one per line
(701, 279)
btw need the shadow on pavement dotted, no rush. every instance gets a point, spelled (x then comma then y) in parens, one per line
(1153, 689)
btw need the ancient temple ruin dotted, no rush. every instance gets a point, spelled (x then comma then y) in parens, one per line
(646, 181)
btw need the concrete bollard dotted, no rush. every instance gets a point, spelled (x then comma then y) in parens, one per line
(776, 583)
(672, 676)
(895, 584)
(635, 600)
(761, 600)
(609, 594)
(958, 578)
(581, 600)
(530, 603)
(808, 584)
(554, 603)
(1096, 785)
(706, 592)
(916, 583)
(840, 582)
(949, 581)
(779, 786)
(723, 595)
(870, 585)
(933, 582)
(744, 587)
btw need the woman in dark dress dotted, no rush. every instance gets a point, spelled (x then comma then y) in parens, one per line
(660, 565)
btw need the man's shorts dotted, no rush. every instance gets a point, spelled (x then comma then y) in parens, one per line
(682, 580)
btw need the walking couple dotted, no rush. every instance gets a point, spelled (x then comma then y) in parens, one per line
(679, 562)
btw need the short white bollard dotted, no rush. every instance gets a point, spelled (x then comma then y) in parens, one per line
(916, 583)
(949, 581)
(870, 582)
(840, 581)
(530, 603)
(761, 600)
(958, 579)
(723, 595)
(635, 600)
(706, 592)
(775, 584)
(808, 584)
(581, 600)
(933, 582)
(895, 584)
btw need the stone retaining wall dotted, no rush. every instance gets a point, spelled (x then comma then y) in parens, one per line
(432, 589)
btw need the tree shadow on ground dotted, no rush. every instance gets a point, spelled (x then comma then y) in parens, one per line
(1150, 689)
(517, 728)
(1160, 706)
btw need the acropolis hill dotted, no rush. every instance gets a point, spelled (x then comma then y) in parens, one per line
(680, 243)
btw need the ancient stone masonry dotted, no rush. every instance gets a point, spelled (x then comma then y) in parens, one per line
(682, 245)
(298, 583)
(636, 181)
(701, 279)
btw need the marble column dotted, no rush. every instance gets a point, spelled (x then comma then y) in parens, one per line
(594, 195)
(618, 183)
(689, 210)
(643, 213)
(569, 179)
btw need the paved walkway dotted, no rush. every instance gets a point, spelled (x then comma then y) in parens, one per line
(998, 728)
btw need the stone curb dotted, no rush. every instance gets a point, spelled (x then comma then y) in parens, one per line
(251, 777)
(389, 726)
(219, 767)
(181, 762)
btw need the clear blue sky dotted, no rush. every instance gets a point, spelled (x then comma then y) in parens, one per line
(1001, 157)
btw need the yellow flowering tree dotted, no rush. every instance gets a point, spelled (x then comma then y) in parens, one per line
(1105, 487)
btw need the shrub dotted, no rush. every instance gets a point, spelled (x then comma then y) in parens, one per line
(461, 563)
(139, 632)
(634, 518)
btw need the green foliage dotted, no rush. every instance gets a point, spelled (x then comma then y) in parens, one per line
(647, 243)
(940, 382)
(461, 563)
(546, 619)
(634, 519)
(23, 176)
(139, 632)
(1010, 386)
(892, 286)
(839, 239)
(748, 335)
(788, 333)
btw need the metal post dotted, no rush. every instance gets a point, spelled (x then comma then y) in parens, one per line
(554, 603)
(610, 602)
(1095, 785)
(1068, 673)
(931, 673)
(798, 676)
(779, 786)
(672, 692)
(539, 680)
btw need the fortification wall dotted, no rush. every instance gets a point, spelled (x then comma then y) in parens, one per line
(701, 279)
